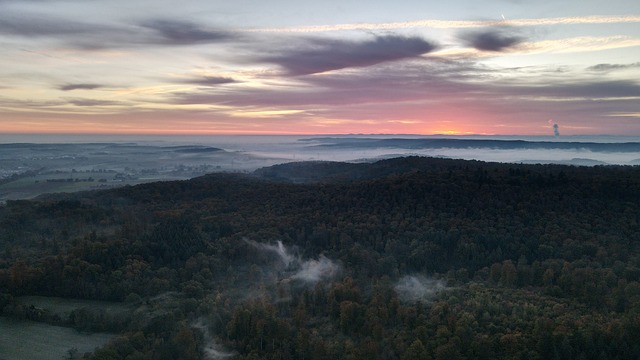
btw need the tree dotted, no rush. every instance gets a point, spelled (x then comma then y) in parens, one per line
(416, 351)
(508, 274)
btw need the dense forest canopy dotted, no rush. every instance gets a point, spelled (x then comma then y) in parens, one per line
(407, 258)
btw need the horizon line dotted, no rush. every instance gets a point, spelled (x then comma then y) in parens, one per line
(162, 134)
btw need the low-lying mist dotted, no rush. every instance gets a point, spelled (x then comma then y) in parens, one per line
(290, 267)
(212, 350)
(412, 288)
(272, 273)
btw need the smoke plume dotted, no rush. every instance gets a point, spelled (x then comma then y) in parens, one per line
(556, 130)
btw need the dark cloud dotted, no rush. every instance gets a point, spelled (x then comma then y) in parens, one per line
(490, 40)
(99, 36)
(39, 26)
(320, 55)
(76, 34)
(427, 89)
(429, 79)
(613, 67)
(209, 81)
(92, 102)
(586, 89)
(29, 104)
(174, 32)
(69, 87)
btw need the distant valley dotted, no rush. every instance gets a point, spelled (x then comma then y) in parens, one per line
(31, 169)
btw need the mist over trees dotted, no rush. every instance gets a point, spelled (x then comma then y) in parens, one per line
(408, 258)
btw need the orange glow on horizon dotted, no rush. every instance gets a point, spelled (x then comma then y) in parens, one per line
(265, 132)
(451, 132)
(167, 124)
(167, 127)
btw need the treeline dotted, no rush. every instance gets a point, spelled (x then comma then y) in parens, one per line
(540, 261)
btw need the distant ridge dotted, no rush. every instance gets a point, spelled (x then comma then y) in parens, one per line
(194, 149)
(473, 144)
(330, 171)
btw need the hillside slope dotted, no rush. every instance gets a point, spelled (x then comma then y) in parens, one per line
(403, 258)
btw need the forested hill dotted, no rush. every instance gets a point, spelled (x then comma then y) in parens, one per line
(330, 171)
(408, 258)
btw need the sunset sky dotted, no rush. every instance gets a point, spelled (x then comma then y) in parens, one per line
(322, 67)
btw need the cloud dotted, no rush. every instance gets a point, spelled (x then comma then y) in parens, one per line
(95, 35)
(579, 44)
(209, 81)
(575, 20)
(28, 104)
(430, 91)
(320, 55)
(490, 40)
(620, 114)
(70, 32)
(92, 102)
(69, 87)
(45, 26)
(613, 67)
(424, 80)
(587, 90)
(173, 32)
(456, 24)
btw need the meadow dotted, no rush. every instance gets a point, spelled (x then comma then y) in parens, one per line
(63, 307)
(38, 341)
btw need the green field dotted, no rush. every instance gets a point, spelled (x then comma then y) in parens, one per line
(32, 186)
(63, 307)
(37, 341)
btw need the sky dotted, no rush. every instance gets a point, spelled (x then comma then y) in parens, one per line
(457, 67)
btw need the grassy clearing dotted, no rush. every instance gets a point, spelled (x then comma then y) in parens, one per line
(63, 307)
(37, 341)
